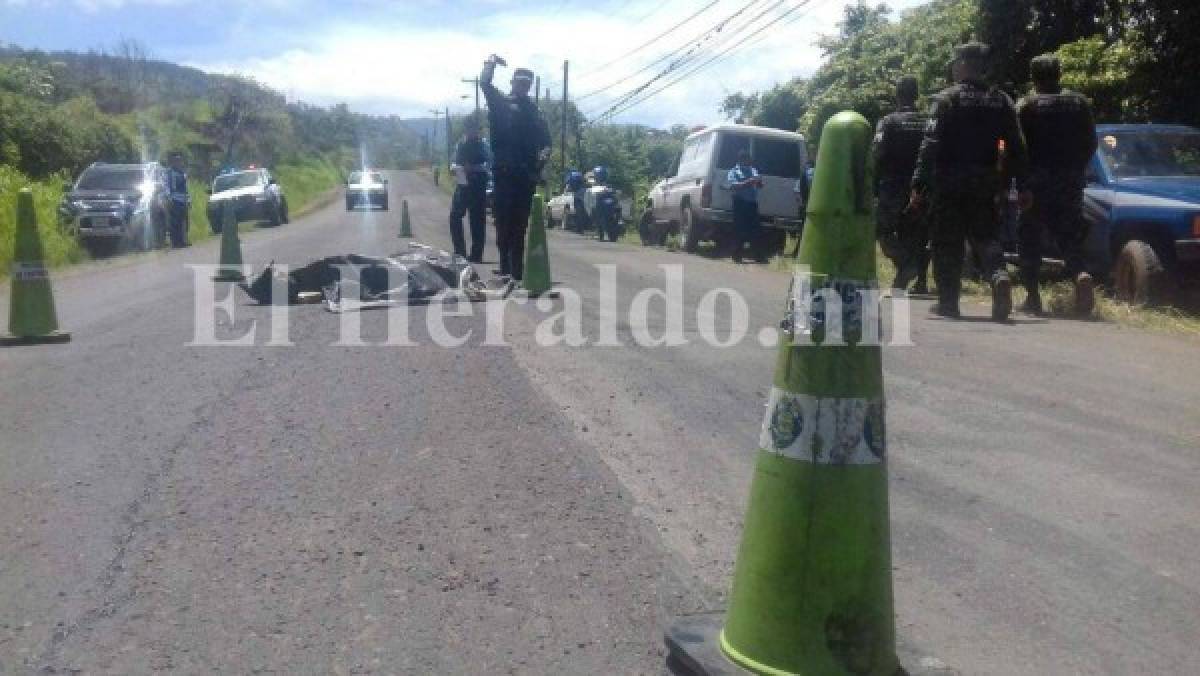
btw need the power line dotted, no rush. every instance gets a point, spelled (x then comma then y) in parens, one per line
(693, 42)
(654, 39)
(687, 59)
(630, 103)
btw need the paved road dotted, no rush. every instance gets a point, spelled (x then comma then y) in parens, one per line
(533, 509)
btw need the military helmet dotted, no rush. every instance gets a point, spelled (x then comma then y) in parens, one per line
(1046, 68)
(906, 88)
(975, 52)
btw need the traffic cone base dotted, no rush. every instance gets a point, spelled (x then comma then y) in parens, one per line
(31, 315)
(48, 338)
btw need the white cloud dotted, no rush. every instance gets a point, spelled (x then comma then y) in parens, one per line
(393, 66)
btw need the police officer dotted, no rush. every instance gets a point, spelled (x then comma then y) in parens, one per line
(957, 173)
(745, 183)
(903, 234)
(1061, 134)
(520, 146)
(471, 161)
(180, 200)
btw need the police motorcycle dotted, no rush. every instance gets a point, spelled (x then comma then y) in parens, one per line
(603, 207)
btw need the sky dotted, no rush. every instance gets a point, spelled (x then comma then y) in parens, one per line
(409, 57)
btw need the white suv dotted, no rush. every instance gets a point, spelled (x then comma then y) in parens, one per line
(697, 204)
(255, 195)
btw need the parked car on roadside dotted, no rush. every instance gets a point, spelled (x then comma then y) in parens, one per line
(255, 194)
(696, 202)
(115, 206)
(366, 189)
(1142, 205)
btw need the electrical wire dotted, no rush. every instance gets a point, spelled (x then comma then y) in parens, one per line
(733, 39)
(652, 40)
(693, 42)
(634, 101)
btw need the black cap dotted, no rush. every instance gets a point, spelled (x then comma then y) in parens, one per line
(1046, 69)
(906, 88)
(972, 51)
(523, 74)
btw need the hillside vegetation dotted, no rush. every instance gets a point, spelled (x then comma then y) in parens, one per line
(59, 112)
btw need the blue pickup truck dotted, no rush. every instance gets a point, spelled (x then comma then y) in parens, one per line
(1142, 203)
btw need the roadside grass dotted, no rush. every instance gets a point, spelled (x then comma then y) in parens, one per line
(59, 246)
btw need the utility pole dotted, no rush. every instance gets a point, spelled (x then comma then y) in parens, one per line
(437, 117)
(537, 91)
(449, 152)
(562, 149)
(474, 81)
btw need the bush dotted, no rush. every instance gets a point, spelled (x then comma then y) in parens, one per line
(60, 247)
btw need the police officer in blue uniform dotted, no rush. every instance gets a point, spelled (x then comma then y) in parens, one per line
(744, 181)
(470, 198)
(520, 146)
(180, 200)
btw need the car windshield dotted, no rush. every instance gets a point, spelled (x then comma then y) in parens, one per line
(366, 177)
(244, 179)
(111, 178)
(1131, 154)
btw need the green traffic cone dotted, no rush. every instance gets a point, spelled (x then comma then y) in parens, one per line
(812, 588)
(31, 315)
(405, 221)
(231, 247)
(537, 255)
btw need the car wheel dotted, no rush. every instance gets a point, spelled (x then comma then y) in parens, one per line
(1139, 275)
(689, 229)
(284, 216)
(384, 205)
(275, 218)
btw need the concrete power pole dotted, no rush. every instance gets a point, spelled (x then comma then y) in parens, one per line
(449, 141)
(437, 117)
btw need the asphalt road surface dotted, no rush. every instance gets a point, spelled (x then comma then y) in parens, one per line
(528, 509)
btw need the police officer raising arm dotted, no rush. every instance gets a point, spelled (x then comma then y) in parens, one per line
(903, 234)
(1061, 134)
(957, 173)
(520, 146)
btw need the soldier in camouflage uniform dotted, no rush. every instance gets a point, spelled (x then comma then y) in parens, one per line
(903, 234)
(957, 172)
(1061, 134)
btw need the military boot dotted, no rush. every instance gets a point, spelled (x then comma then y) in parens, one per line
(1001, 297)
(1085, 294)
(1033, 295)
